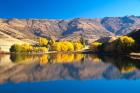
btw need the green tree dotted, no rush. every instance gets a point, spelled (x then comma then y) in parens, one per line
(82, 40)
(15, 48)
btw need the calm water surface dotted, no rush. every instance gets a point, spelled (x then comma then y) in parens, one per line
(68, 73)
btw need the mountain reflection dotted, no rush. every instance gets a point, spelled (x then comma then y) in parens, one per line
(19, 68)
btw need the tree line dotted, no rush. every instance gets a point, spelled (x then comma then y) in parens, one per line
(123, 44)
(45, 45)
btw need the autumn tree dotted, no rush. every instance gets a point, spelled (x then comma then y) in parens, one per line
(62, 46)
(56, 47)
(78, 46)
(43, 41)
(125, 44)
(69, 45)
(43, 49)
(26, 48)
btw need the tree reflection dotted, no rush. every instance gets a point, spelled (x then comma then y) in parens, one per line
(43, 59)
(22, 58)
(94, 58)
(66, 58)
(49, 58)
(123, 63)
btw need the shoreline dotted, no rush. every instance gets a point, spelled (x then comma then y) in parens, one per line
(42, 52)
(132, 55)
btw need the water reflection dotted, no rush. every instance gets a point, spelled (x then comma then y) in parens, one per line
(48, 58)
(19, 68)
(124, 64)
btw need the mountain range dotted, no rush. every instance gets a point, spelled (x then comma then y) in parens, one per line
(25, 30)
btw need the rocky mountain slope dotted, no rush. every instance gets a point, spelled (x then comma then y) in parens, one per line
(121, 25)
(90, 28)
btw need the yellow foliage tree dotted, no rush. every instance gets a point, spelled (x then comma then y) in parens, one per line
(43, 41)
(78, 46)
(126, 40)
(56, 47)
(124, 44)
(43, 49)
(27, 48)
(69, 45)
(62, 46)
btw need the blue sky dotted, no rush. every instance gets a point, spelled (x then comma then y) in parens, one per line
(67, 9)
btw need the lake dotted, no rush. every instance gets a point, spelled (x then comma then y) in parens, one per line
(68, 73)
